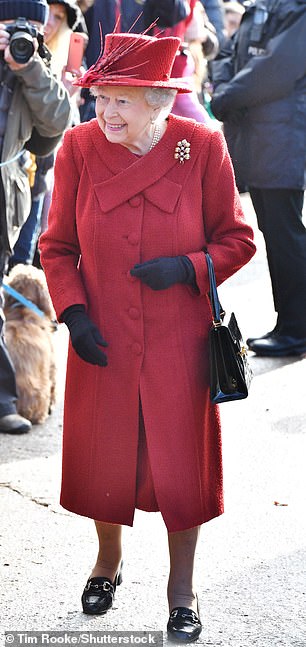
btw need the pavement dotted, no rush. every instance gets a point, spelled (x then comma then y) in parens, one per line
(250, 567)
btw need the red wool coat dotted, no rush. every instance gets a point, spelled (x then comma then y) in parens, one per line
(110, 210)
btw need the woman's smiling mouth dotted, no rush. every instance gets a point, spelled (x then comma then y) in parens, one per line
(114, 127)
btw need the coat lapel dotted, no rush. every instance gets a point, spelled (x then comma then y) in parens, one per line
(128, 175)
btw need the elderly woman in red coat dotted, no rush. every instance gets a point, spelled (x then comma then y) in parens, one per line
(138, 195)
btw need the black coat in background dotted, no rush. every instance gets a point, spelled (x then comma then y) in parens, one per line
(260, 95)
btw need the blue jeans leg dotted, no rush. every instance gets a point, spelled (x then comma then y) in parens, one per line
(25, 246)
(8, 393)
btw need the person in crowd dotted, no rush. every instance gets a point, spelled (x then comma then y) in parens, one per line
(200, 29)
(214, 35)
(260, 97)
(124, 261)
(233, 12)
(215, 13)
(34, 111)
(85, 4)
(199, 43)
(203, 45)
(64, 16)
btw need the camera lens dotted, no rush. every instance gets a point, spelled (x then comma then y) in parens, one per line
(21, 47)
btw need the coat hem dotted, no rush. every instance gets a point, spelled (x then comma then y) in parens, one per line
(170, 527)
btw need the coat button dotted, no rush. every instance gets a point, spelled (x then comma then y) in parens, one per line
(136, 348)
(133, 239)
(134, 313)
(135, 201)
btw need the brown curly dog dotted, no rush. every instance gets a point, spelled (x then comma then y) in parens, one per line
(28, 337)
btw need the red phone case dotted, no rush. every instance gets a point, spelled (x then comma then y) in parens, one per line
(75, 52)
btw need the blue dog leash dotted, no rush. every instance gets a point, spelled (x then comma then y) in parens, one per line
(25, 302)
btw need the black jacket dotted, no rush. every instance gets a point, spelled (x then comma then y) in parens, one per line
(260, 95)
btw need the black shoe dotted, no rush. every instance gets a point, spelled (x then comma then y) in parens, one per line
(271, 333)
(14, 424)
(99, 593)
(184, 625)
(278, 346)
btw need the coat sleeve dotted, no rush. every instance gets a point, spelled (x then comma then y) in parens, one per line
(229, 237)
(59, 245)
(40, 145)
(267, 77)
(47, 98)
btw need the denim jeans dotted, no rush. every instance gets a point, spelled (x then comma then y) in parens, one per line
(8, 393)
(24, 248)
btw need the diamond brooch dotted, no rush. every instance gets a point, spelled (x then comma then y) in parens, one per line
(182, 151)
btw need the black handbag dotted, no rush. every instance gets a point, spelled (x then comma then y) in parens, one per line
(230, 372)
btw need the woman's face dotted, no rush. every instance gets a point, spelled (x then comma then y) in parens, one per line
(57, 16)
(124, 116)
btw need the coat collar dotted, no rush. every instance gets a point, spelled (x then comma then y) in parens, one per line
(130, 175)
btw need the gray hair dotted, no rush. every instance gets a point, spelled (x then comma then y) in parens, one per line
(160, 97)
(155, 97)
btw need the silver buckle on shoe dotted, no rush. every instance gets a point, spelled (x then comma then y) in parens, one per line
(106, 586)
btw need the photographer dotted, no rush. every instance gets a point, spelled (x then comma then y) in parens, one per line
(34, 112)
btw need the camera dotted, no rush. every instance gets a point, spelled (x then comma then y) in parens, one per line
(21, 42)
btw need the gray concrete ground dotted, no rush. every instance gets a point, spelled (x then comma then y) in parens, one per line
(250, 570)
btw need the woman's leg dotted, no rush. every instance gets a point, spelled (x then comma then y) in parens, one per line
(182, 546)
(109, 555)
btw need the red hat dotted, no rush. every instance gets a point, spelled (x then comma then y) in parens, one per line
(135, 60)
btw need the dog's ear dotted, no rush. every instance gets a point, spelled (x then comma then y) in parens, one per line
(31, 283)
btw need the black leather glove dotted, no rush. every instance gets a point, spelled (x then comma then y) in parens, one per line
(85, 336)
(161, 273)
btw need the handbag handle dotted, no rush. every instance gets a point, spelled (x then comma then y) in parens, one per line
(217, 310)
